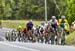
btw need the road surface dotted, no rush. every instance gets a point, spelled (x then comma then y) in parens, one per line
(21, 46)
(2, 33)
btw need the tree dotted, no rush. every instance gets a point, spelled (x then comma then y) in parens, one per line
(32, 9)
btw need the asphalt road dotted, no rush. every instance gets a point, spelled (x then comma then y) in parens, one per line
(3, 32)
(21, 46)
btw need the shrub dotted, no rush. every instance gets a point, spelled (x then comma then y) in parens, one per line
(70, 39)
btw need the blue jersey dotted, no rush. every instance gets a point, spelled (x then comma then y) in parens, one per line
(30, 24)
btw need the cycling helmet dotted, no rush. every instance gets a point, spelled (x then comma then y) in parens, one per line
(53, 17)
(62, 17)
(19, 26)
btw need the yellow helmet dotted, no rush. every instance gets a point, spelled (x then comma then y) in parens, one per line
(19, 26)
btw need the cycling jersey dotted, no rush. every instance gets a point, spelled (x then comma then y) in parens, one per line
(53, 23)
(41, 29)
(64, 24)
(25, 30)
(29, 25)
(59, 29)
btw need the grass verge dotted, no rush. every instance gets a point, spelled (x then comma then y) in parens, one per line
(16, 23)
(70, 40)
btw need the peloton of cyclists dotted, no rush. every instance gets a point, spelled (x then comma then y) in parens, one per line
(47, 31)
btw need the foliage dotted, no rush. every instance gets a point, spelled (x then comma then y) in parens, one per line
(34, 9)
(70, 40)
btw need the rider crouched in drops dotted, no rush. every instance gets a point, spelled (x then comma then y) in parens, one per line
(25, 36)
(19, 29)
(54, 23)
(41, 33)
(48, 33)
(63, 22)
(29, 26)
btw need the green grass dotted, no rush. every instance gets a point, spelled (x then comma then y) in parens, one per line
(70, 40)
(16, 23)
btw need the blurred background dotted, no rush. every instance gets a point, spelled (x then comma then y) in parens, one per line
(35, 9)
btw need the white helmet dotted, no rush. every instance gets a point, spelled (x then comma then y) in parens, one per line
(53, 17)
(62, 17)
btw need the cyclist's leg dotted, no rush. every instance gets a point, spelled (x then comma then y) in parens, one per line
(59, 34)
(22, 37)
(38, 38)
(25, 37)
(63, 38)
(29, 34)
(41, 38)
(52, 38)
(47, 38)
(33, 38)
(19, 36)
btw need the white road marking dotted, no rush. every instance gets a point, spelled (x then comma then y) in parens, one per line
(16, 46)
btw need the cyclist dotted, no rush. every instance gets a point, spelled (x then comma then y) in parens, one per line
(29, 26)
(25, 36)
(41, 33)
(53, 22)
(63, 22)
(19, 29)
(48, 34)
(59, 34)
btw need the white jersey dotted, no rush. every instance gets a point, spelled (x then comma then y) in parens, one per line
(41, 28)
(34, 28)
(53, 22)
(45, 26)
